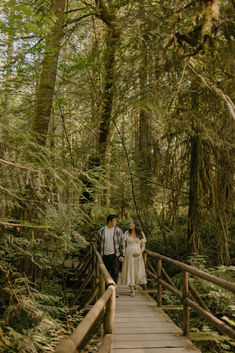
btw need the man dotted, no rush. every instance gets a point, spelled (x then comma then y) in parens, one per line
(111, 246)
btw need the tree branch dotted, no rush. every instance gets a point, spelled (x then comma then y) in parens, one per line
(76, 20)
(17, 165)
(75, 10)
(8, 192)
(131, 175)
(213, 88)
(25, 225)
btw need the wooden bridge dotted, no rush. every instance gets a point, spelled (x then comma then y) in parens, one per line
(138, 324)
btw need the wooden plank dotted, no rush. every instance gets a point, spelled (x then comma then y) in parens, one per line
(135, 304)
(131, 308)
(156, 350)
(152, 322)
(144, 322)
(157, 329)
(149, 337)
(149, 344)
(136, 314)
(153, 317)
(130, 299)
(127, 325)
(140, 326)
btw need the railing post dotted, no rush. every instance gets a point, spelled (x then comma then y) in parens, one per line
(159, 287)
(101, 284)
(145, 264)
(110, 312)
(97, 275)
(101, 292)
(145, 258)
(186, 310)
(91, 256)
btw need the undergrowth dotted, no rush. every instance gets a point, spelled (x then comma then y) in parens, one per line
(218, 300)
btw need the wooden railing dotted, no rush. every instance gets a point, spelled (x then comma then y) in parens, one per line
(86, 277)
(100, 316)
(187, 288)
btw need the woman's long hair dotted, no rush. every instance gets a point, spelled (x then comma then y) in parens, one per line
(138, 230)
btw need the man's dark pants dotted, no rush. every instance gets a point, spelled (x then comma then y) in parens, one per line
(112, 264)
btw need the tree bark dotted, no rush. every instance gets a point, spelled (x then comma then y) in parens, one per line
(112, 39)
(106, 11)
(7, 84)
(144, 145)
(224, 203)
(45, 91)
(194, 241)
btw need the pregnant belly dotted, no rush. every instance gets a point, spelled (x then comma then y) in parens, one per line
(132, 250)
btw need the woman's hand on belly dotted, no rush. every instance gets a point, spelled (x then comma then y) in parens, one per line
(136, 254)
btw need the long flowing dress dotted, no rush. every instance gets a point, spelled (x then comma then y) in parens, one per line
(133, 269)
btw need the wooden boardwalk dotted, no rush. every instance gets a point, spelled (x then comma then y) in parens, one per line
(140, 326)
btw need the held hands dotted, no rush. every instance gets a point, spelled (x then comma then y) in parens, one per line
(121, 259)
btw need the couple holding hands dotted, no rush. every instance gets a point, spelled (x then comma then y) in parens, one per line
(116, 247)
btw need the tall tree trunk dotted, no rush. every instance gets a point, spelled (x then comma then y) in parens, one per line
(45, 91)
(106, 11)
(7, 84)
(224, 202)
(194, 241)
(145, 143)
(112, 39)
(144, 153)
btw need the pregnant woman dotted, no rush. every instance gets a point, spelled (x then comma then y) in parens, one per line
(133, 269)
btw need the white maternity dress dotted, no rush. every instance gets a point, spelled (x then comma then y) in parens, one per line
(133, 269)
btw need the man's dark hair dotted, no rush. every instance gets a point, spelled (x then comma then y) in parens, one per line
(111, 217)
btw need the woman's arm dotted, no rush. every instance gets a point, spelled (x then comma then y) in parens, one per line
(142, 247)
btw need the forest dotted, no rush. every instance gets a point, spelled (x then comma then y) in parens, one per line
(111, 106)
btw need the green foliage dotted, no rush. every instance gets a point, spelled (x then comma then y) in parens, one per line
(174, 67)
(34, 314)
(217, 299)
(28, 317)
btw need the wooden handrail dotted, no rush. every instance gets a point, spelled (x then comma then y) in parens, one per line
(108, 279)
(82, 331)
(195, 271)
(201, 309)
(104, 307)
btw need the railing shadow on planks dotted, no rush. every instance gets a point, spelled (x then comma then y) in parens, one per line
(187, 288)
(102, 313)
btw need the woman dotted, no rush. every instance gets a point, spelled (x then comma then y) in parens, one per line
(133, 270)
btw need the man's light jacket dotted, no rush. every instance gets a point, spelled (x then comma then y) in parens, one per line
(118, 241)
